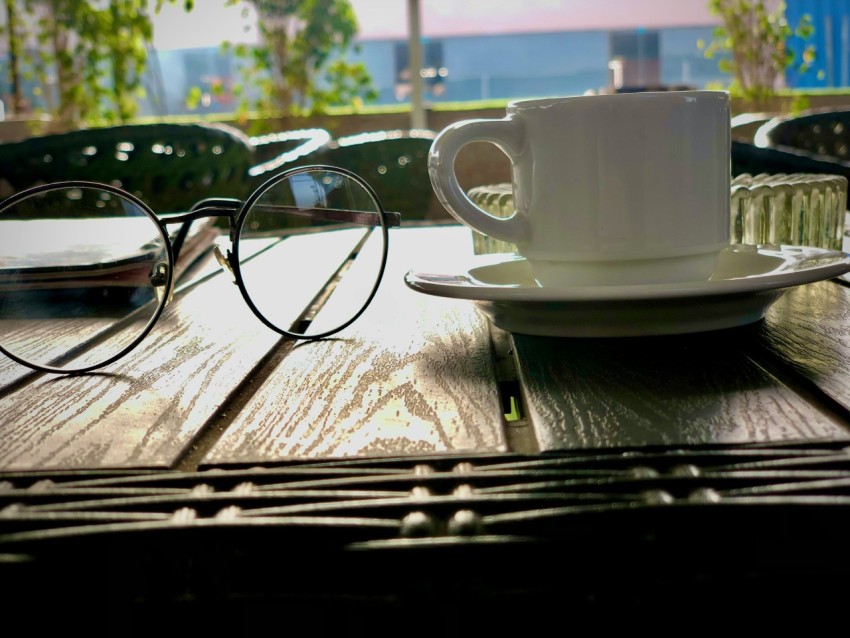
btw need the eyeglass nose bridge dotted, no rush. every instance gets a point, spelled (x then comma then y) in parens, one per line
(210, 207)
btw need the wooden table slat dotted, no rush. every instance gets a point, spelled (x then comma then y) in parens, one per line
(808, 331)
(677, 390)
(413, 375)
(146, 408)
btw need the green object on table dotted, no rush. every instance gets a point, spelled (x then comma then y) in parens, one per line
(498, 200)
(798, 209)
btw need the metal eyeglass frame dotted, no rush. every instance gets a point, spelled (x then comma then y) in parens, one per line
(236, 212)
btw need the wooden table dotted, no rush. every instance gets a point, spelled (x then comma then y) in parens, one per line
(424, 455)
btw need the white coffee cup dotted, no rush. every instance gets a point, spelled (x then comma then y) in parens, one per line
(609, 189)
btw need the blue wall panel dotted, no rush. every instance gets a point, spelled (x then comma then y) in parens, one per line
(831, 38)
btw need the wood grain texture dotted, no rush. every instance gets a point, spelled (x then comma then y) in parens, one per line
(78, 331)
(809, 330)
(12, 372)
(143, 410)
(691, 389)
(413, 375)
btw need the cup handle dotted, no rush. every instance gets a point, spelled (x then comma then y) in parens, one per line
(507, 135)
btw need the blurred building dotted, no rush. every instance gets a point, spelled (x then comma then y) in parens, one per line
(499, 65)
(460, 68)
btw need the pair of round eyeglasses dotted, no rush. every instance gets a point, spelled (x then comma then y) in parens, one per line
(86, 269)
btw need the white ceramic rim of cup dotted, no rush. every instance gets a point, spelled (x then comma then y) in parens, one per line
(534, 103)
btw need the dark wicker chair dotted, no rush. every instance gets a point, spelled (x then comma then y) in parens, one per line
(169, 166)
(822, 134)
(275, 152)
(749, 158)
(172, 166)
(811, 143)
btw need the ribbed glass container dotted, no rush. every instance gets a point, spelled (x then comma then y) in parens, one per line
(797, 209)
(800, 209)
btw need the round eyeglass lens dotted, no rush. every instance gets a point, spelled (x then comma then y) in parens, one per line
(84, 273)
(311, 251)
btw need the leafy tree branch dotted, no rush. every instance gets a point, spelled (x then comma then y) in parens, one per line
(752, 46)
(88, 58)
(298, 64)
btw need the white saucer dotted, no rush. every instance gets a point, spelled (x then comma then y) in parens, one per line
(747, 281)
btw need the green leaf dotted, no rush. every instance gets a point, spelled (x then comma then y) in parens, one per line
(193, 98)
(809, 55)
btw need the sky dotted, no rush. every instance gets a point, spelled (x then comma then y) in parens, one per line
(211, 23)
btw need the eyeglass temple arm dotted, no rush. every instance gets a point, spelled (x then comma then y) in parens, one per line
(360, 217)
(227, 207)
(220, 207)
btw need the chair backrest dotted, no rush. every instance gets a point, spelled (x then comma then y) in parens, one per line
(822, 133)
(276, 152)
(752, 159)
(169, 166)
(394, 163)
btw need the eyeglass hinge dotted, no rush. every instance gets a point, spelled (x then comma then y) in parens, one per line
(225, 260)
